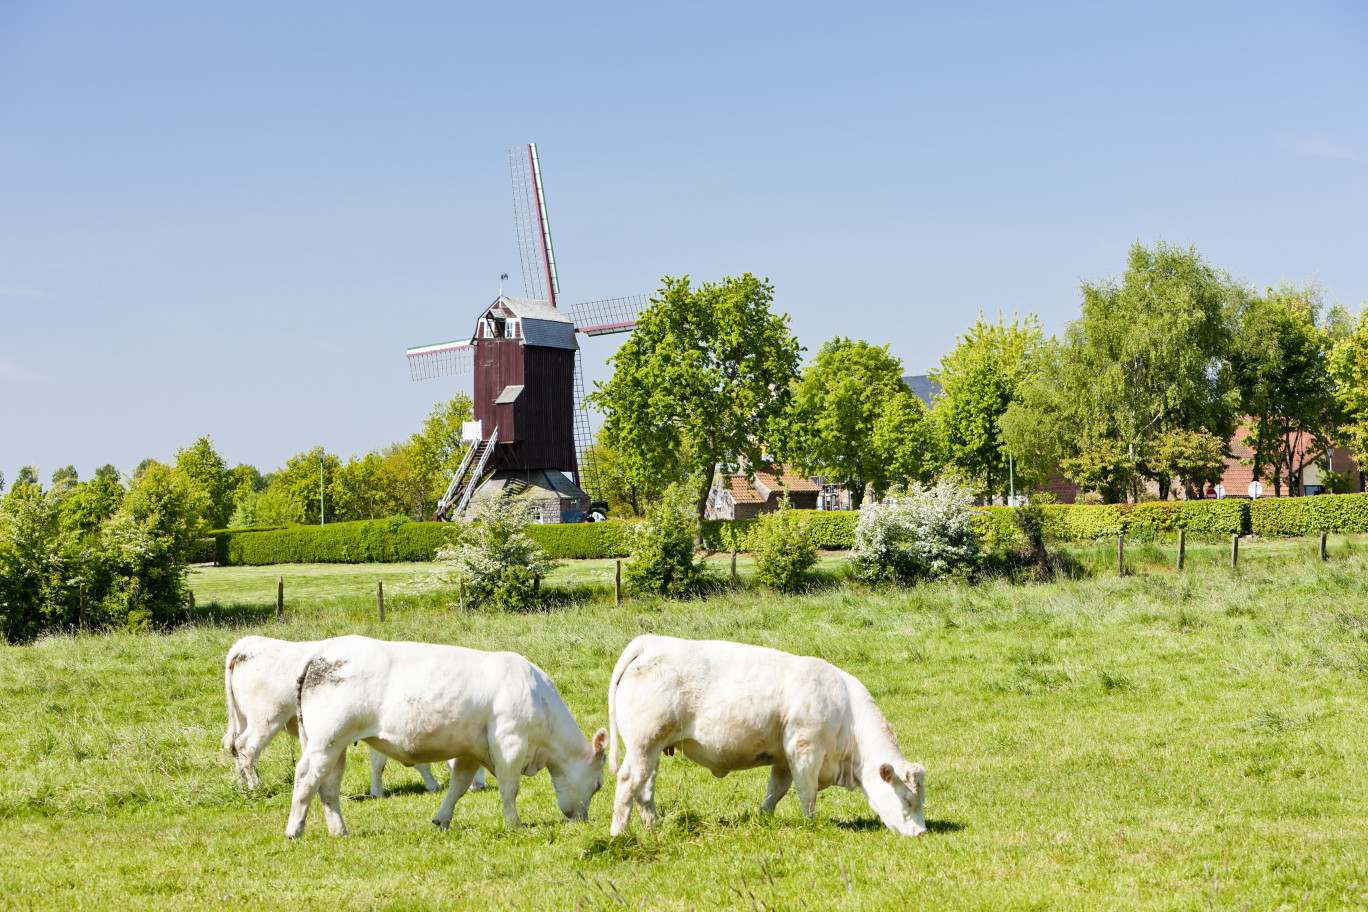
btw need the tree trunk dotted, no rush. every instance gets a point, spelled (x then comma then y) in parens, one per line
(701, 504)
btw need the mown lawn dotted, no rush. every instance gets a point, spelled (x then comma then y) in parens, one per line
(1153, 741)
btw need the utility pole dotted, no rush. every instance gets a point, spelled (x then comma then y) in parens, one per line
(322, 520)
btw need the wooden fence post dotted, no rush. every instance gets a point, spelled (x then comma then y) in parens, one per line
(190, 608)
(463, 593)
(617, 583)
(1182, 547)
(1322, 545)
(380, 598)
(80, 606)
(1234, 550)
(1120, 553)
(733, 566)
(280, 598)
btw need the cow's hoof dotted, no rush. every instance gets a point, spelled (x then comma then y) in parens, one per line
(441, 824)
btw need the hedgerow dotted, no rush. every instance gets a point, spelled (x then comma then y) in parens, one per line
(1305, 515)
(829, 530)
(398, 539)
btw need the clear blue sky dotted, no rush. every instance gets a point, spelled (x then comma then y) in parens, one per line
(232, 219)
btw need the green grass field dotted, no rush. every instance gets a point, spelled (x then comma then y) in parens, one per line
(1153, 741)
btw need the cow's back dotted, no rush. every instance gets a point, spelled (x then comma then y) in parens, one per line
(730, 705)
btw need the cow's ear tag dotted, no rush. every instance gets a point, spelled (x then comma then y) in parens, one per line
(887, 773)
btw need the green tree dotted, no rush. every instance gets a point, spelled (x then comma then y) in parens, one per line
(1194, 458)
(67, 476)
(435, 452)
(1349, 362)
(707, 373)
(1102, 466)
(837, 402)
(203, 465)
(147, 543)
(1147, 356)
(89, 505)
(1280, 359)
(980, 379)
(28, 475)
(37, 561)
(905, 439)
(607, 469)
(302, 481)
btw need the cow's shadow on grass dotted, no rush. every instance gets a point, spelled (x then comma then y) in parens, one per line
(862, 824)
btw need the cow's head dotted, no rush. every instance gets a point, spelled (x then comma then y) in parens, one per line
(900, 797)
(581, 780)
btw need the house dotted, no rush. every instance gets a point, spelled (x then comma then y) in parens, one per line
(736, 497)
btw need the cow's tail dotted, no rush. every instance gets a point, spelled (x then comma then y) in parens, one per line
(629, 655)
(299, 703)
(230, 737)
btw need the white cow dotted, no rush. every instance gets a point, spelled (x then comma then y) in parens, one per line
(259, 680)
(730, 706)
(417, 703)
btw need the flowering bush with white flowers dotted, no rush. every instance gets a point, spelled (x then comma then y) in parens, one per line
(915, 533)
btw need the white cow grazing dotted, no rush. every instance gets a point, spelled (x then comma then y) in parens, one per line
(730, 706)
(417, 703)
(259, 679)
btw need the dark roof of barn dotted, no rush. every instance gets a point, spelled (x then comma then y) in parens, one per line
(925, 388)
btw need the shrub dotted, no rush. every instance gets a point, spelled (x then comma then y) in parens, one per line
(1031, 521)
(36, 561)
(917, 533)
(783, 548)
(663, 560)
(582, 541)
(1305, 515)
(831, 530)
(500, 563)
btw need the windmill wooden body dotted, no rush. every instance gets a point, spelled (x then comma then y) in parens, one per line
(530, 429)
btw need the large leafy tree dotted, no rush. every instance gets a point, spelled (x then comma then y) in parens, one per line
(837, 404)
(205, 467)
(980, 378)
(1349, 361)
(707, 374)
(1280, 361)
(1146, 357)
(608, 471)
(435, 452)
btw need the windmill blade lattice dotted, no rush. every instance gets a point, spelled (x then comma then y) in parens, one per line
(527, 223)
(612, 315)
(446, 359)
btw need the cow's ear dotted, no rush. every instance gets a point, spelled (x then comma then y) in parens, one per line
(600, 740)
(887, 773)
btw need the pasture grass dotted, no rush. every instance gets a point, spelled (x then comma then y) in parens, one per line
(1151, 741)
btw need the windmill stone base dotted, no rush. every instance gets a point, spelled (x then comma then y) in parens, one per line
(547, 492)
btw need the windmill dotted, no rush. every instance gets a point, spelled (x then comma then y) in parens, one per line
(531, 428)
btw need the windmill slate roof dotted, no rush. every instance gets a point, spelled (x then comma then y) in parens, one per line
(925, 388)
(542, 324)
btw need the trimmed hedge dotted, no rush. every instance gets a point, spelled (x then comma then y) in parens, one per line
(830, 530)
(581, 541)
(393, 540)
(367, 541)
(1304, 515)
(1212, 519)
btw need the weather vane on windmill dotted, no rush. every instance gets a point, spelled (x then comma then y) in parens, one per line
(531, 429)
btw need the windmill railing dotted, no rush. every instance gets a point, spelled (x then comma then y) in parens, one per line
(479, 471)
(455, 481)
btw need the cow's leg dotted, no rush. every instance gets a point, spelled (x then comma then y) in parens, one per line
(248, 748)
(805, 778)
(330, 795)
(378, 774)
(429, 780)
(308, 777)
(478, 784)
(508, 791)
(462, 771)
(779, 781)
(637, 770)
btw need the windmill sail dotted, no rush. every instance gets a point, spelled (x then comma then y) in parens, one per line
(445, 359)
(528, 223)
(613, 315)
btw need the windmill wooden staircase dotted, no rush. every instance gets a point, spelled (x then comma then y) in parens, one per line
(466, 479)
